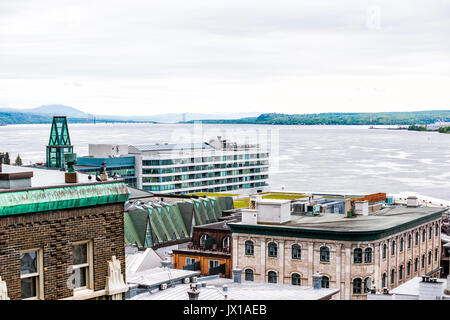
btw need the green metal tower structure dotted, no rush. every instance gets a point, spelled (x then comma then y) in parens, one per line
(59, 143)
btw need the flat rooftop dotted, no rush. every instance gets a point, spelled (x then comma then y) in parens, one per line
(338, 227)
(247, 290)
(49, 177)
(381, 220)
(156, 276)
(411, 287)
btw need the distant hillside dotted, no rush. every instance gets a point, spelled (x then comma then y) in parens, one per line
(19, 118)
(44, 114)
(72, 113)
(380, 118)
(50, 110)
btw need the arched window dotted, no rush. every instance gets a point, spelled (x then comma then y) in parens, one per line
(295, 279)
(272, 250)
(248, 275)
(436, 231)
(384, 251)
(393, 247)
(392, 276)
(430, 255)
(203, 239)
(430, 232)
(423, 261)
(249, 248)
(416, 242)
(401, 244)
(416, 264)
(400, 273)
(409, 241)
(357, 286)
(408, 268)
(357, 255)
(296, 251)
(436, 254)
(272, 277)
(226, 243)
(424, 232)
(325, 282)
(368, 255)
(367, 284)
(383, 280)
(324, 254)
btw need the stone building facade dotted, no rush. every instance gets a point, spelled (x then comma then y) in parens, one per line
(350, 261)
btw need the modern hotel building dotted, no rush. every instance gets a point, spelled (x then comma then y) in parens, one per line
(216, 166)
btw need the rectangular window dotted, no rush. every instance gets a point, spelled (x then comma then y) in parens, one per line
(82, 262)
(213, 264)
(190, 261)
(31, 270)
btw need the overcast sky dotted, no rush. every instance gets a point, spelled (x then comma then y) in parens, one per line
(149, 57)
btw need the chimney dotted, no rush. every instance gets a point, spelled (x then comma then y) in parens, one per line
(166, 264)
(362, 207)
(237, 275)
(193, 293)
(412, 201)
(317, 281)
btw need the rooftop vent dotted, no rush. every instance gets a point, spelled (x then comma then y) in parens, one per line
(193, 293)
(317, 281)
(237, 275)
(412, 201)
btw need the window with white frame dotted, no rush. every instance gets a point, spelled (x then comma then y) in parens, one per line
(226, 243)
(190, 261)
(31, 274)
(82, 265)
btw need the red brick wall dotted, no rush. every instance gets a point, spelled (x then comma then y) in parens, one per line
(54, 232)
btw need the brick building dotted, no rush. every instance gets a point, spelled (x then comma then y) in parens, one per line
(60, 240)
(382, 249)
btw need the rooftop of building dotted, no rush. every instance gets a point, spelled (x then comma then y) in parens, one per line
(43, 177)
(379, 224)
(411, 287)
(168, 147)
(47, 190)
(153, 277)
(247, 290)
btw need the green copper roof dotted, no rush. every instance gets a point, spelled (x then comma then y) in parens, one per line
(168, 221)
(59, 198)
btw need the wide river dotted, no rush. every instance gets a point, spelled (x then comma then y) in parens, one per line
(351, 159)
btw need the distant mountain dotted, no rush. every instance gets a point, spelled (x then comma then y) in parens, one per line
(59, 110)
(376, 118)
(44, 114)
(179, 117)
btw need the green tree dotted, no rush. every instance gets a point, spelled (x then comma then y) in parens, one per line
(6, 160)
(18, 161)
